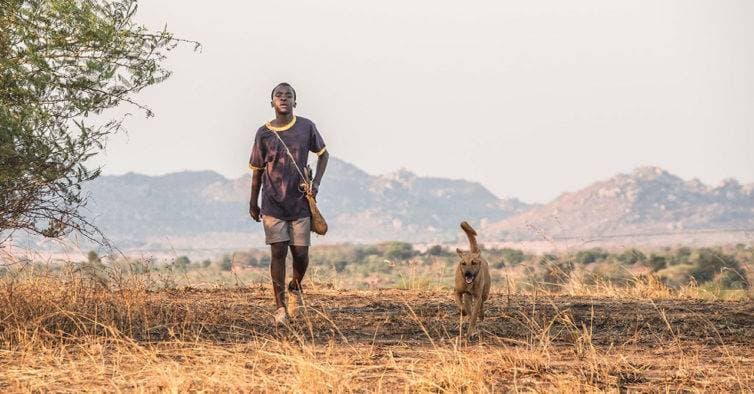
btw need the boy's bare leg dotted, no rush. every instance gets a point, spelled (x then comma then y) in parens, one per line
(279, 252)
(300, 263)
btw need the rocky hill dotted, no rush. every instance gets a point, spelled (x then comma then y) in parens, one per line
(647, 201)
(137, 210)
(206, 210)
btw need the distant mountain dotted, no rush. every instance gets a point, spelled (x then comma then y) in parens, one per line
(205, 209)
(646, 201)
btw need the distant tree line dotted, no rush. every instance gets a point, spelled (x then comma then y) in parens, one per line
(730, 268)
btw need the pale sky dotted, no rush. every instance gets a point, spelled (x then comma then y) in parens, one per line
(530, 98)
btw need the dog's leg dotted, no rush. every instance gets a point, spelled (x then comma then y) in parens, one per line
(475, 315)
(467, 307)
(459, 302)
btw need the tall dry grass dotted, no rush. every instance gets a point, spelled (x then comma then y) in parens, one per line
(107, 331)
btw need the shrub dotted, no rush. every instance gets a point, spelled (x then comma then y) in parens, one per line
(709, 263)
(676, 275)
(609, 272)
(182, 262)
(226, 264)
(436, 250)
(512, 256)
(632, 256)
(92, 257)
(244, 259)
(365, 251)
(657, 262)
(555, 271)
(590, 256)
(398, 250)
(340, 265)
(681, 256)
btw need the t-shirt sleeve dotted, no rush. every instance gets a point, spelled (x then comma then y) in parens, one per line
(257, 160)
(316, 143)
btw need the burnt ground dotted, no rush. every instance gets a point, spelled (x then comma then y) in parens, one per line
(389, 316)
(380, 340)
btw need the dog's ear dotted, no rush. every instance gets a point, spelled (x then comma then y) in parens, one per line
(459, 251)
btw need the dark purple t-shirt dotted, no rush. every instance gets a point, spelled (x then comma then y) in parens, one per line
(281, 196)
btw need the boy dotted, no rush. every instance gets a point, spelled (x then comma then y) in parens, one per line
(285, 211)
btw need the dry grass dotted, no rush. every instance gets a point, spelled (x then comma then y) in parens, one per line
(80, 332)
(646, 287)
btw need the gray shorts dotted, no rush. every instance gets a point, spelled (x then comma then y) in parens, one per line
(296, 232)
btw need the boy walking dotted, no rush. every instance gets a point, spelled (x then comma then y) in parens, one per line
(278, 157)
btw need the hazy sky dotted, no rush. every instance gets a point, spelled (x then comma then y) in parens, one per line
(529, 98)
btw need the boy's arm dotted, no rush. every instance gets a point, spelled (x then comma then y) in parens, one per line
(256, 164)
(256, 185)
(321, 167)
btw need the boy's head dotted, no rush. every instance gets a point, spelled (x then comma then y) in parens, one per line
(283, 98)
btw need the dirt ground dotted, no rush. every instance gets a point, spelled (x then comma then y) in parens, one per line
(401, 340)
(393, 316)
(658, 337)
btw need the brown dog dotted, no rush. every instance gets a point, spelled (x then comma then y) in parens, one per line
(472, 280)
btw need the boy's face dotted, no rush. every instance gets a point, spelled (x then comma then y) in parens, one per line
(283, 100)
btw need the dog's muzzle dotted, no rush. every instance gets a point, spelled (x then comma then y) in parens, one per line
(468, 277)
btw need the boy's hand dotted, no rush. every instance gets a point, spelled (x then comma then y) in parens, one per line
(254, 211)
(315, 188)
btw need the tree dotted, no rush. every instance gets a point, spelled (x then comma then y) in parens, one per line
(436, 250)
(92, 257)
(511, 256)
(226, 264)
(398, 250)
(710, 263)
(340, 265)
(182, 262)
(554, 271)
(632, 256)
(657, 262)
(61, 63)
(590, 256)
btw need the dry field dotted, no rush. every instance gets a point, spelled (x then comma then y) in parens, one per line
(71, 335)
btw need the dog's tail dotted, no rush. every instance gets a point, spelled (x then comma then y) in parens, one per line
(471, 234)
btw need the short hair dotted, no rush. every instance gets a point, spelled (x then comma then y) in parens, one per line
(286, 84)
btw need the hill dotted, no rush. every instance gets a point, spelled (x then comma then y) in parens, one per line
(199, 207)
(204, 210)
(648, 201)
